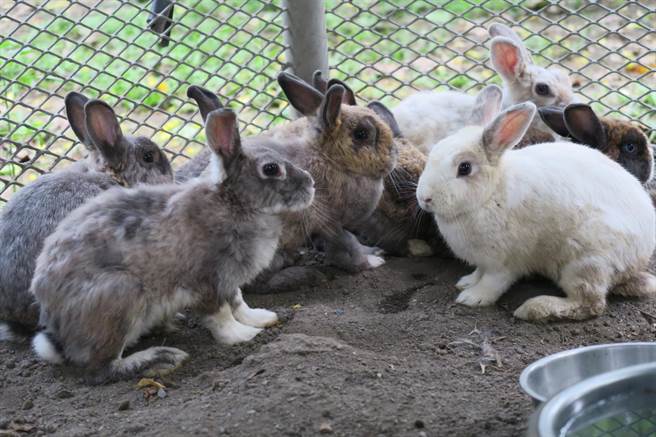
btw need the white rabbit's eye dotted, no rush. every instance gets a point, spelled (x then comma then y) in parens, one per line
(271, 169)
(542, 89)
(464, 169)
(629, 148)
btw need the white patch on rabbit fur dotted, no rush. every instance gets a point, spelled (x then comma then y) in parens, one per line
(426, 117)
(45, 349)
(215, 169)
(256, 317)
(6, 333)
(227, 330)
(567, 212)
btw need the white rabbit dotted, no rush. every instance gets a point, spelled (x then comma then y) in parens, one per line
(523, 81)
(561, 210)
(426, 117)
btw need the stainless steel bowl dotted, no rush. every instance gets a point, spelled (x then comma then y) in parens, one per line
(548, 376)
(617, 403)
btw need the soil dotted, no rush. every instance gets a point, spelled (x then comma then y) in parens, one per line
(384, 352)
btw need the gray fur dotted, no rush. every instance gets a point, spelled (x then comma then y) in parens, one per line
(121, 263)
(36, 210)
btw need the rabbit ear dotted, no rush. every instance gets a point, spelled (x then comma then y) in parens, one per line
(499, 29)
(349, 95)
(387, 116)
(74, 103)
(554, 117)
(319, 83)
(105, 132)
(223, 135)
(507, 129)
(304, 98)
(206, 100)
(508, 59)
(487, 105)
(583, 124)
(331, 106)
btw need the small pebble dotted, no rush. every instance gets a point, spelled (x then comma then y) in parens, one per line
(28, 404)
(325, 428)
(419, 424)
(125, 405)
(161, 393)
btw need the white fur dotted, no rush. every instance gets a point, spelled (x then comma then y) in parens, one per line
(561, 210)
(215, 169)
(256, 317)
(427, 117)
(227, 330)
(46, 350)
(5, 332)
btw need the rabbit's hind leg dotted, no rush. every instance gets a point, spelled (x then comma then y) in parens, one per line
(584, 282)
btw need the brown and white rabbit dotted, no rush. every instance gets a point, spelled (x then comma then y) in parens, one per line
(35, 211)
(620, 140)
(129, 259)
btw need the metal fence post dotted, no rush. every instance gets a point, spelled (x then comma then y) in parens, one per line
(306, 37)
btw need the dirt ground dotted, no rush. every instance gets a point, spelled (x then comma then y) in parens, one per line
(385, 352)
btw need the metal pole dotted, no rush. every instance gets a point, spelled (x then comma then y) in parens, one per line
(306, 37)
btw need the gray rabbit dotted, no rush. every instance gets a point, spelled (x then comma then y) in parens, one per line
(347, 149)
(129, 259)
(34, 212)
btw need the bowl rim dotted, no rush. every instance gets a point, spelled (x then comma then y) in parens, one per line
(544, 361)
(571, 394)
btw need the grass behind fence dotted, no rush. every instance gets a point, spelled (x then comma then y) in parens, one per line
(236, 47)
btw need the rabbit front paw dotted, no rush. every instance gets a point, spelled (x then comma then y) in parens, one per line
(256, 317)
(477, 297)
(470, 280)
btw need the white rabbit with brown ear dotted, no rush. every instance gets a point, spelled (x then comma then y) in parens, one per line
(427, 117)
(568, 213)
(526, 82)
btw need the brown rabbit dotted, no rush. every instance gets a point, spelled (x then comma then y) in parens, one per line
(397, 219)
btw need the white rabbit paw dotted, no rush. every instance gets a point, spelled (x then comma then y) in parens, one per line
(256, 317)
(235, 333)
(375, 261)
(468, 281)
(477, 297)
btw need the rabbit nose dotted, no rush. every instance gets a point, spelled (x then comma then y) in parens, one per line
(428, 200)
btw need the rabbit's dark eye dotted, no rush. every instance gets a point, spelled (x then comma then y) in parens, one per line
(542, 89)
(361, 134)
(464, 169)
(148, 156)
(271, 169)
(630, 148)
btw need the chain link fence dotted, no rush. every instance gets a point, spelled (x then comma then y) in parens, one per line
(385, 49)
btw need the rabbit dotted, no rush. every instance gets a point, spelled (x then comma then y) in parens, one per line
(568, 213)
(348, 150)
(34, 212)
(620, 140)
(426, 117)
(129, 258)
(398, 224)
(526, 82)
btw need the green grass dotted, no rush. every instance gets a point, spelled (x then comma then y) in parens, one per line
(236, 47)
